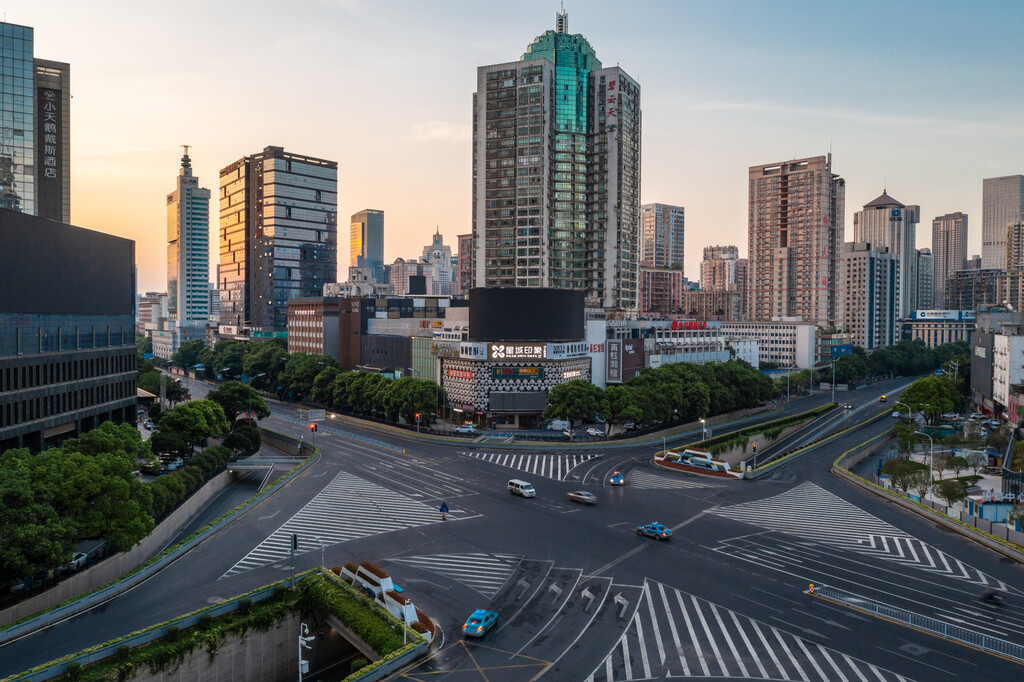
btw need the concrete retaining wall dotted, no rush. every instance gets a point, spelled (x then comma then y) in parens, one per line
(740, 453)
(286, 444)
(271, 656)
(114, 567)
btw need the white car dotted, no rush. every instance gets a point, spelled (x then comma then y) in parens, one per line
(977, 415)
(465, 428)
(597, 433)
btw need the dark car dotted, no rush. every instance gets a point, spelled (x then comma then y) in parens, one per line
(479, 622)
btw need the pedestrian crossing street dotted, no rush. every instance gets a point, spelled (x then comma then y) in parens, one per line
(348, 508)
(544, 465)
(811, 512)
(485, 573)
(675, 634)
(642, 480)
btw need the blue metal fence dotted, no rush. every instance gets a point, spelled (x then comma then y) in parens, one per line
(949, 631)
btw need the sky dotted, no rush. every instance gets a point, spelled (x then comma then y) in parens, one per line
(924, 99)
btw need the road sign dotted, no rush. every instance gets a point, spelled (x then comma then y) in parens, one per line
(444, 507)
(315, 415)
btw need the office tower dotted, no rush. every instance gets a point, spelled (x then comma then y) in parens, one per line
(870, 295)
(662, 235)
(556, 173)
(366, 242)
(1002, 202)
(722, 269)
(887, 223)
(661, 290)
(35, 128)
(924, 292)
(67, 339)
(278, 236)
(437, 258)
(949, 253)
(188, 252)
(465, 263)
(795, 239)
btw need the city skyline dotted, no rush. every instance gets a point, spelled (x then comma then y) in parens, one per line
(708, 97)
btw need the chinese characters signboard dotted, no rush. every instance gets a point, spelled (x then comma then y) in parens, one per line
(49, 155)
(517, 372)
(515, 351)
(614, 359)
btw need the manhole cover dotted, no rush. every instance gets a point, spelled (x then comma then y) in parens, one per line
(915, 649)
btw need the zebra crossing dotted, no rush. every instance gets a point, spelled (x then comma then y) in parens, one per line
(546, 466)
(642, 480)
(676, 634)
(812, 513)
(348, 508)
(485, 573)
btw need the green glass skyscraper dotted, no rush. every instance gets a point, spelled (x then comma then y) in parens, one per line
(556, 172)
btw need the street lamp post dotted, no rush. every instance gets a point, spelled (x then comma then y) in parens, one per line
(931, 458)
(252, 379)
(703, 429)
(909, 411)
(833, 378)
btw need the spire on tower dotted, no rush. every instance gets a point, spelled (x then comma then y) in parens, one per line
(185, 161)
(562, 20)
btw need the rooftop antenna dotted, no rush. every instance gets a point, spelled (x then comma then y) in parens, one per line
(186, 147)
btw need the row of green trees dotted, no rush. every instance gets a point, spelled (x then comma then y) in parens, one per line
(84, 489)
(906, 358)
(678, 391)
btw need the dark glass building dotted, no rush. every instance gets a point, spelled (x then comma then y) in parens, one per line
(278, 237)
(67, 336)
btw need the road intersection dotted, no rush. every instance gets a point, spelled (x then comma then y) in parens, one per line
(580, 596)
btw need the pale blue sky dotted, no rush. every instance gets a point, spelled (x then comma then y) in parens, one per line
(924, 96)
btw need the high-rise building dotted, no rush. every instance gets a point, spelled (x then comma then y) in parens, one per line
(662, 235)
(465, 263)
(188, 252)
(556, 172)
(949, 254)
(35, 129)
(437, 258)
(870, 295)
(924, 290)
(661, 290)
(1002, 202)
(976, 288)
(889, 224)
(366, 241)
(795, 238)
(723, 270)
(278, 236)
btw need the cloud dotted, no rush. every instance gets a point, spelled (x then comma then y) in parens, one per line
(916, 123)
(440, 131)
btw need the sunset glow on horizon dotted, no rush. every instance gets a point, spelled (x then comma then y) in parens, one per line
(923, 99)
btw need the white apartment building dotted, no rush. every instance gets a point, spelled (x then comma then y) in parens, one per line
(786, 342)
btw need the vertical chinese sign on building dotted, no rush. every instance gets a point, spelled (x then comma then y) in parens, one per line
(614, 359)
(49, 155)
(612, 105)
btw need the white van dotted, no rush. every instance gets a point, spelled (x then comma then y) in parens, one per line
(517, 487)
(558, 425)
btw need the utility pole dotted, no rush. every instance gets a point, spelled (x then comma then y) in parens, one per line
(304, 639)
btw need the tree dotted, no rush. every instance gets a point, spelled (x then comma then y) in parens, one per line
(921, 483)
(951, 491)
(300, 371)
(976, 459)
(957, 464)
(169, 443)
(622, 405)
(1000, 438)
(906, 438)
(940, 462)
(31, 532)
(268, 359)
(902, 472)
(575, 400)
(323, 385)
(244, 438)
(932, 395)
(195, 421)
(188, 354)
(235, 397)
(120, 439)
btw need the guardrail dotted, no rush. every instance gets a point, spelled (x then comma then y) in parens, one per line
(945, 630)
(103, 651)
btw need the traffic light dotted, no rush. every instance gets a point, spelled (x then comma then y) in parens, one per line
(417, 416)
(754, 446)
(312, 428)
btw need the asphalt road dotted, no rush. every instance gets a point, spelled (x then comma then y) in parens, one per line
(580, 595)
